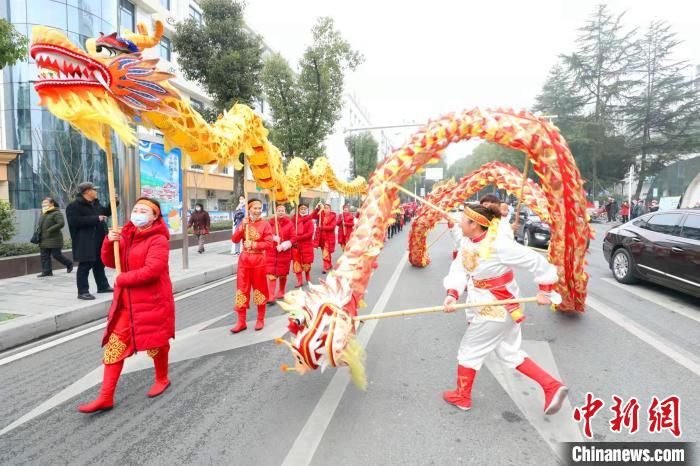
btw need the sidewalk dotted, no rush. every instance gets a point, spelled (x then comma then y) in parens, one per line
(49, 305)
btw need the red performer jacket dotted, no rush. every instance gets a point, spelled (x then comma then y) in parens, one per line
(278, 261)
(346, 222)
(304, 238)
(325, 232)
(260, 233)
(145, 280)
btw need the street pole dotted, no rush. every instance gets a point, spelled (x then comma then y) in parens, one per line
(629, 197)
(185, 203)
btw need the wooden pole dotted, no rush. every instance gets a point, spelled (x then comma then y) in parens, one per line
(274, 211)
(426, 202)
(245, 193)
(112, 194)
(185, 205)
(437, 239)
(427, 310)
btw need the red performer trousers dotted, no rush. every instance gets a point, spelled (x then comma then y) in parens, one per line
(255, 278)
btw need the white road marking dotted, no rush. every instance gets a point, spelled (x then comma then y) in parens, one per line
(191, 342)
(97, 327)
(655, 297)
(529, 398)
(306, 443)
(662, 345)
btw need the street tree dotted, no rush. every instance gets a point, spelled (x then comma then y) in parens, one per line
(63, 165)
(363, 154)
(222, 55)
(602, 67)
(307, 103)
(664, 112)
(13, 45)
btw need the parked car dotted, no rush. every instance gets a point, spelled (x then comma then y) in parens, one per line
(661, 247)
(532, 231)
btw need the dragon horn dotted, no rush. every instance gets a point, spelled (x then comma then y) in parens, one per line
(143, 39)
(281, 341)
(286, 368)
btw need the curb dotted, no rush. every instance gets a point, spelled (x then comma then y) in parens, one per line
(26, 329)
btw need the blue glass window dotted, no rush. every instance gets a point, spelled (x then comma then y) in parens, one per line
(165, 48)
(17, 11)
(82, 22)
(126, 15)
(195, 14)
(47, 13)
(165, 4)
(110, 14)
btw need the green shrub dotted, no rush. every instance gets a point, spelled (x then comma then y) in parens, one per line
(7, 221)
(21, 249)
(227, 225)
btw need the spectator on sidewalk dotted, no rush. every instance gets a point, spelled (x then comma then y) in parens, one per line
(50, 224)
(200, 224)
(142, 315)
(238, 217)
(654, 206)
(86, 222)
(625, 212)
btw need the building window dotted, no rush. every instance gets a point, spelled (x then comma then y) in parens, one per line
(196, 15)
(126, 15)
(165, 4)
(225, 170)
(165, 48)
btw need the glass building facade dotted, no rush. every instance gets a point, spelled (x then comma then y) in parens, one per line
(51, 150)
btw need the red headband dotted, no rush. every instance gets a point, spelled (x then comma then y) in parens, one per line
(150, 204)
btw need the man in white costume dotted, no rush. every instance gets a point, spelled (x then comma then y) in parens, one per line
(484, 266)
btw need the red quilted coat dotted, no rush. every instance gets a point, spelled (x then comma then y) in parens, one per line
(325, 231)
(277, 262)
(305, 235)
(143, 288)
(346, 222)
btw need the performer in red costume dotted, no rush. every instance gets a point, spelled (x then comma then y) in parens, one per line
(279, 255)
(142, 315)
(303, 247)
(325, 233)
(256, 235)
(346, 222)
(485, 265)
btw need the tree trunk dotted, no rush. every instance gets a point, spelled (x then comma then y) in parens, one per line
(238, 184)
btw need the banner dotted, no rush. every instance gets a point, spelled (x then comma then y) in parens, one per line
(161, 179)
(434, 174)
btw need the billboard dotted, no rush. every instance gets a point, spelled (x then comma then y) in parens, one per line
(433, 174)
(161, 179)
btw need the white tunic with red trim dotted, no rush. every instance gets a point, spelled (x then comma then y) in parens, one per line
(491, 278)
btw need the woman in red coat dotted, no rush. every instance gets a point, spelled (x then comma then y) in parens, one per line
(327, 221)
(279, 255)
(256, 235)
(303, 248)
(346, 222)
(142, 315)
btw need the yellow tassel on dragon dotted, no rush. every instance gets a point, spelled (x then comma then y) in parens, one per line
(113, 85)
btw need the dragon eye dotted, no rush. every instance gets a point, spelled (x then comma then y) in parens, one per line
(106, 51)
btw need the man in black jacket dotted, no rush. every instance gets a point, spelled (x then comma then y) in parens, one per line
(86, 222)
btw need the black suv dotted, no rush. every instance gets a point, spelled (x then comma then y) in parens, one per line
(662, 247)
(532, 231)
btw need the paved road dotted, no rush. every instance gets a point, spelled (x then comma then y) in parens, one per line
(229, 403)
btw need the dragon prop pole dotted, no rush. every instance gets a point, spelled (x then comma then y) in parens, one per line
(112, 195)
(245, 193)
(428, 310)
(438, 238)
(426, 202)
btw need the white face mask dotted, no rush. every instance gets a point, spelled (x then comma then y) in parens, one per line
(197, 208)
(140, 220)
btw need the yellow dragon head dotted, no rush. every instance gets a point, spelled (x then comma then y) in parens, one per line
(104, 85)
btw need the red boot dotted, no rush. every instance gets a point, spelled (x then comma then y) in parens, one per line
(554, 391)
(240, 325)
(308, 276)
(260, 323)
(300, 280)
(105, 400)
(160, 361)
(462, 396)
(283, 286)
(271, 285)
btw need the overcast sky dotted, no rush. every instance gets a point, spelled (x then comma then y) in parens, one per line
(426, 58)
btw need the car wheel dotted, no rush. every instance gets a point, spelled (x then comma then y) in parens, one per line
(622, 266)
(526, 238)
